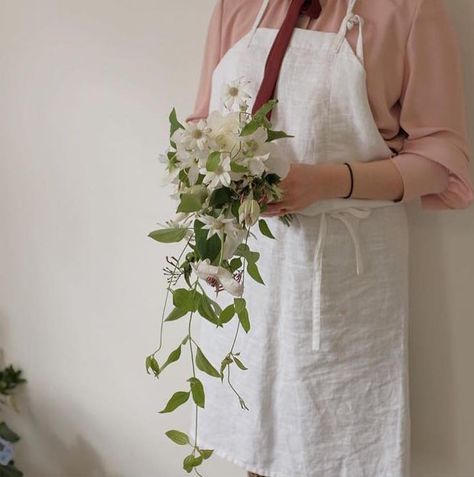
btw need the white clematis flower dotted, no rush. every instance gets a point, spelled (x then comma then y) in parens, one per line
(172, 170)
(220, 176)
(206, 271)
(236, 93)
(218, 225)
(194, 136)
(194, 166)
(256, 144)
(224, 130)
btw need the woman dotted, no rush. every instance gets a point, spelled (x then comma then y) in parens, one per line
(373, 94)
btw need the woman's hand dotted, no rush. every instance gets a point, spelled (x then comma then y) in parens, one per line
(307, 183)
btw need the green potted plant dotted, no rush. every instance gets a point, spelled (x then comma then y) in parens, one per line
(10, 378)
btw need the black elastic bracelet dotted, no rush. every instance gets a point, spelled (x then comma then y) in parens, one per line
(352, 180)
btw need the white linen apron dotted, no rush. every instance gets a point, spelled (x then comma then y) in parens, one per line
(327, 356)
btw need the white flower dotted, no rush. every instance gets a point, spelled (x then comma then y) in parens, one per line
(225, 130)
(249, 212)
(232, 241)
(219, 225)
(194, 136)
(219, 176)
(236, 93)
(205, 270)
(256, 165)
(255, 144)
(193, 165)
(172, 170)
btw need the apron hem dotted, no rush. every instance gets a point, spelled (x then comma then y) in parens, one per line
(247, 466)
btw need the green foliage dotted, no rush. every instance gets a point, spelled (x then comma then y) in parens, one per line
(241, 310)
(178, 437)
(191, 461)
(176, 400)
(174, 123)
(273, 135)
(10, 379)
(7, 434)
(190, 203)
(197, 391)
(213, 161)
(168, 235)
(204, 365)
(264, 229)
(206, 311)
(207, 248)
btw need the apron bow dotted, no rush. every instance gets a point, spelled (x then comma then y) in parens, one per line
(343, 216)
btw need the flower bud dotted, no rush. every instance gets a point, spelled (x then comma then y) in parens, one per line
(249, 212)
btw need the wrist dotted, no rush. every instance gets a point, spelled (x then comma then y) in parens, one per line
(333, 181)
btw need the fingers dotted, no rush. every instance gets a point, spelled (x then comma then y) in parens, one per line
(275, 210)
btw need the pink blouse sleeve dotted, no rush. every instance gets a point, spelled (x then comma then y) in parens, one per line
(211, 57)
(434, 160)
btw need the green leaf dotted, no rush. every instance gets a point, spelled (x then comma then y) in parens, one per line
(239, 363)
(206, 453)
(241, 310)
(216, 307)
(244, 251)
(234, 167)
(213, 161)
(204, 365)
(227, 314)
(176, 314)
(168, 235)
(224, 363)
(251, 127)
(7, 434)
(266, 108)
(174, 123)
(178, 437)
(190, 203)
(191, 461)
(263, 226)
(220, 197)
(184, 299)
(172, 358)
(176, 400)
(10, 471)
(206, 248)
(244, 319)
(206, 311)
(252, 270)
(197, 391)
(152, 363)
(272, 135)
(235, 264)
(239, 304)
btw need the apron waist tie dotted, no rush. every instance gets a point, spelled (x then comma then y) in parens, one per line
(342, 215)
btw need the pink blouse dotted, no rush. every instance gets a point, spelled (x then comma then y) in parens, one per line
(414, 81)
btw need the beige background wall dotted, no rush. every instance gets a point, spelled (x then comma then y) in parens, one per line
(85, 89)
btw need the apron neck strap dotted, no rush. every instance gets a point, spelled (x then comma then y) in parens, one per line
(349, 20)
(257, 21)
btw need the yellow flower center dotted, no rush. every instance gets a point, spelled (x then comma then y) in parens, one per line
(234, 91)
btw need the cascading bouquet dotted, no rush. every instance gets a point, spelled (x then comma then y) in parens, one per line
(224, 169)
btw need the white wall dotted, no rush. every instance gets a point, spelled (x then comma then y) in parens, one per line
(85, 89)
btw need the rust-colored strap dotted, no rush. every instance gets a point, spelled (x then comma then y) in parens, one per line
(311, 8)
